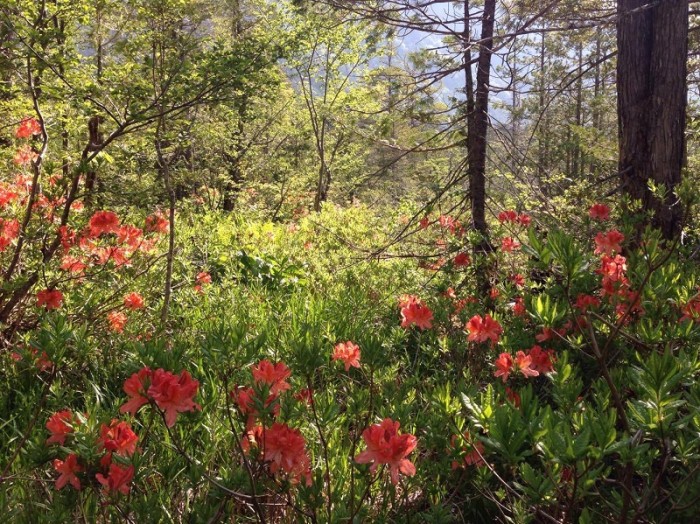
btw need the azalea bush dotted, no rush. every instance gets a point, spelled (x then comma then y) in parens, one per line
(298, 380)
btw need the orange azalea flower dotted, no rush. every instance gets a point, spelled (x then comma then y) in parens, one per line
(524, 362)
(691, 310)
(28, 127)
(252, 437)
(7, 195)
(246, 400)
(272, 375)
(386, 446)
(203, 278)
(130, 235)
(518, 280)
(117, 480)
(133, 301)
(608, 243)
(72, 264)
(173, 394)
(136, 386)
(508, 245)
(117, 321)
(68, 469)
(42, 361)
(60, 424)
(599, 212)
(103, 222)
(483, 329)
(49, 298)
(118, 437)
(285, 449)
(305, 395)
(507, 216)
(542, 359)
(157, 223)
(25, 155)
(349, 353)
(504, 365)
(584, 302)
(413, 311)
(462, 260)
(519, 309)
(524, 220)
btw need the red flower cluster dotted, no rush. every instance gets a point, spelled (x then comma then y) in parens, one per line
(519, 309)
(531, 364)
(246, 398)
(28, 127)
(203, 278)
(285, 450)
(504, 365)
(509, 245)
(413, 311)
(157, 223)
(117, 480)
(349, 353)
(24, 156)
(599, 212)
(512, 217)
(42, 360)
(483, 329)
(173, 394)
(60, 425)
(68, 469)
(586, 302)
(608, 243)
(691, 310)
(386, 446)
(117, 321)
(102, 223)
(282, 447)
(9, 231)
(133, 301)
(49, 298)
(462, 260)
(274, 376)
(451, 224)
(117, 438)
(518, 280)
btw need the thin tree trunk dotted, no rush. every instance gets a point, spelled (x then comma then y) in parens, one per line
(543, 129)
(164, 171)
(476, 146)
(577, 161)
(479, 128)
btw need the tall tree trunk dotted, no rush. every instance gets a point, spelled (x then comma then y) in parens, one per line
(477, 129)
(652, 98)
(480, 122)
(95, 136)
(577, 161)
(543, 128)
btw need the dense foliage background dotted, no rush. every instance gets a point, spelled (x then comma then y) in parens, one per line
(348, 261)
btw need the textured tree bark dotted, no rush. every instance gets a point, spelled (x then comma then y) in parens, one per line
(478, 123)
(652, 44)
(95, 140)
